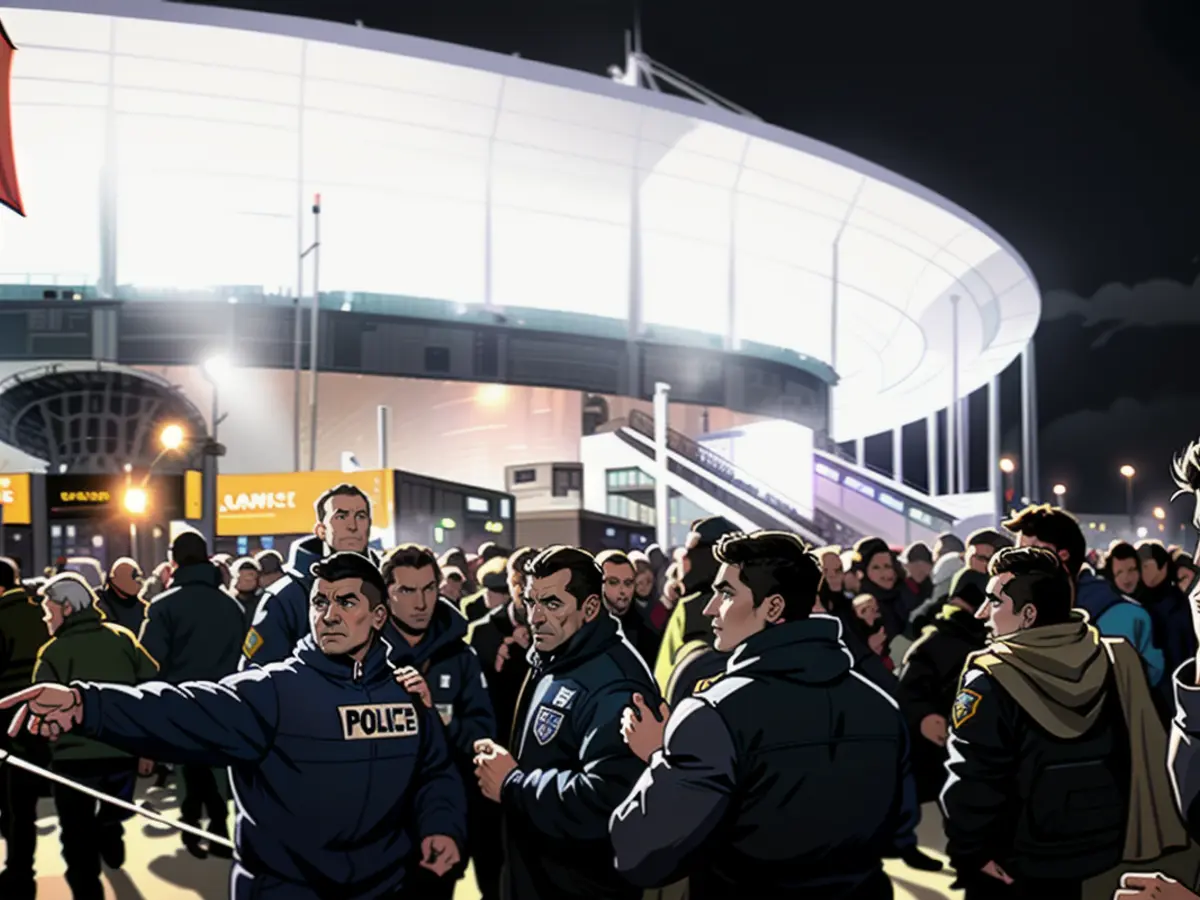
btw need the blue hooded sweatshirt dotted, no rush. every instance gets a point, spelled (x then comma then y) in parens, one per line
(1119, 617)
(282, 616)
(455, 678)
(338, 773)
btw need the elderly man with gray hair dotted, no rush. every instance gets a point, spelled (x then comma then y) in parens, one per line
(85, 647)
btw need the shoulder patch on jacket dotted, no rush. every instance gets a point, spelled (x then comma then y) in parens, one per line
(705, 683)
(547, 723)
(966, 704)
(253, 643)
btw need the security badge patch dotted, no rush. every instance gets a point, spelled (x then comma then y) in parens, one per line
(252, 644)
(373, 721)
(546, 724)
(445, 712)
(966, 704)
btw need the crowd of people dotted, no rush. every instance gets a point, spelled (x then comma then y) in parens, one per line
(742, 717)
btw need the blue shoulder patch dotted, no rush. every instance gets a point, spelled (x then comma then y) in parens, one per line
(546, 724)
(966, 704)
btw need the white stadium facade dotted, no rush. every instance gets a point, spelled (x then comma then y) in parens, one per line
(174, 150)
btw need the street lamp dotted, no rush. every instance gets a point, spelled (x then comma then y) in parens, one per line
(1160, 513)
(171, 438)
(216, 370)
(1007, 466)
(1128, 472)
(1060, 491)
(1003, 488)
(136, 501)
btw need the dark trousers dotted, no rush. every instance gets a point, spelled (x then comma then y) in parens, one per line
(486, 844)
(19, 792)
(86, 825)
(1023, 889)
(202, 796)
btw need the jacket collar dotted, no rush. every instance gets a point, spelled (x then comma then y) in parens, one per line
(84, 620)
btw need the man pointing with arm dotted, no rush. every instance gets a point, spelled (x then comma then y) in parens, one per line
(339, 773)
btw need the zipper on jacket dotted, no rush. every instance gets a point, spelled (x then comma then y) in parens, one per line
(358, 670)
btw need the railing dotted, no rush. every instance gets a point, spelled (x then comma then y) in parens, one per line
(695, 452)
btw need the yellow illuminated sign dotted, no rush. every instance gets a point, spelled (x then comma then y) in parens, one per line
(493, 527)
(193, 494)
(255, 505)
(14, 497)
(84, 497)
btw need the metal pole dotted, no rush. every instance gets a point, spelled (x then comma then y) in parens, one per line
(1028, 445)
(833, 337)
(953, 482)
(1129, 505)
(898, 454)
(383, 425)
(931, 454)
(296, 338)
(964, 448)
(662, 495)
(298, 321)
(995, 476)
(1032, 464)
(314, 335)
(860, 451)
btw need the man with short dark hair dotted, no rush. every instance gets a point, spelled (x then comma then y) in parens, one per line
(427, 636)
(619, 580)
(918, 567)
(493, 589)
(341, 776)
(570, 768)
(270, 567)
(193, 631)
(1055, 749)
(343, 524)
(1112, 615)
(22, 634)
(756, 787)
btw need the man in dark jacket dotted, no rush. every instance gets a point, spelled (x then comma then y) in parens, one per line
(341, 775)
(687, 620)
(570, 768)
(1055, 750)
(619, 577)
(85, 646)
(501, 640)
(194, 632)
(493, 590)
(930, 675)
(343, 524)
(121, 600)
(426, 635)
(786, 779)
(22, 633)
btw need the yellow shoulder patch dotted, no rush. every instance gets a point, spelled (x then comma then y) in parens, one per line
(966, 704)
(252, 644)
(705, 683)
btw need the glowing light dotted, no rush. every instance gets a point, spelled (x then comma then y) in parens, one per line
(1160, 513)
(448, 524)
(216, 368)
(136, 501)
(491, 394)
(493, 527)
(172, 437)
(1007, 466)
(1128, 471)
(1141, 532)
(1059, 490)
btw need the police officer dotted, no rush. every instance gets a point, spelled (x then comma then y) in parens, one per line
(687, 622)
(343, 524)
(570, 767)
(338, 770)
(758, 787)
(427, 634)
(619, 579)
(1054, 776)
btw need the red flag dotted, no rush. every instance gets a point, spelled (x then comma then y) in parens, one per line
(10, 189)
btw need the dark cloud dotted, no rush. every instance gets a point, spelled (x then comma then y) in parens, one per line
(1150, 304)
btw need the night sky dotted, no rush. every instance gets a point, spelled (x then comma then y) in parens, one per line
(1072, 127)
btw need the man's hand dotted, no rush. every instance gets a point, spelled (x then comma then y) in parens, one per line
(145, 768)
(643, 732)
(492, 765)
(993, 870)
(49, 710)
(439, 854)
(521, 636)
(413, 682)
(504, 654)
(934, 728)
(1157, 886)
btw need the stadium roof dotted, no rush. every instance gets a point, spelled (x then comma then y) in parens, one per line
(468, 176)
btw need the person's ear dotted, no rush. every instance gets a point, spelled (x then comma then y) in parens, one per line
(591, 608)
(379, 615)
(1028, 615)
(773, 607)
(319, 530)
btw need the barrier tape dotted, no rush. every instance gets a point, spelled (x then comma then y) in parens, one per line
(16, 761)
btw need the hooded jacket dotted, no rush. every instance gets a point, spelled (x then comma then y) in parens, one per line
(753, 804)
(193, 631)
(456, 680)
(1173, 634)
(282, 616)
(338, 773)
(120, 609)
(573, 767)
(1117, 616)
(1054, 758)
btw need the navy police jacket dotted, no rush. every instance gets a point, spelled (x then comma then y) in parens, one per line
(281, 619)
(573, 767)
(338, 772)
(455, 678)
(787, 778)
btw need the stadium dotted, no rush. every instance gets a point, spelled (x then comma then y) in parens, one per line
(505, 249)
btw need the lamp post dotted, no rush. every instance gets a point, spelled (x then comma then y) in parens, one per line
(216, 369)
(1060, 491)
(1004, 488)
(1128, 472)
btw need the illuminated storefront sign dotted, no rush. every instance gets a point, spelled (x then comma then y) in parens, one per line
(14, 497)
(256, 505)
